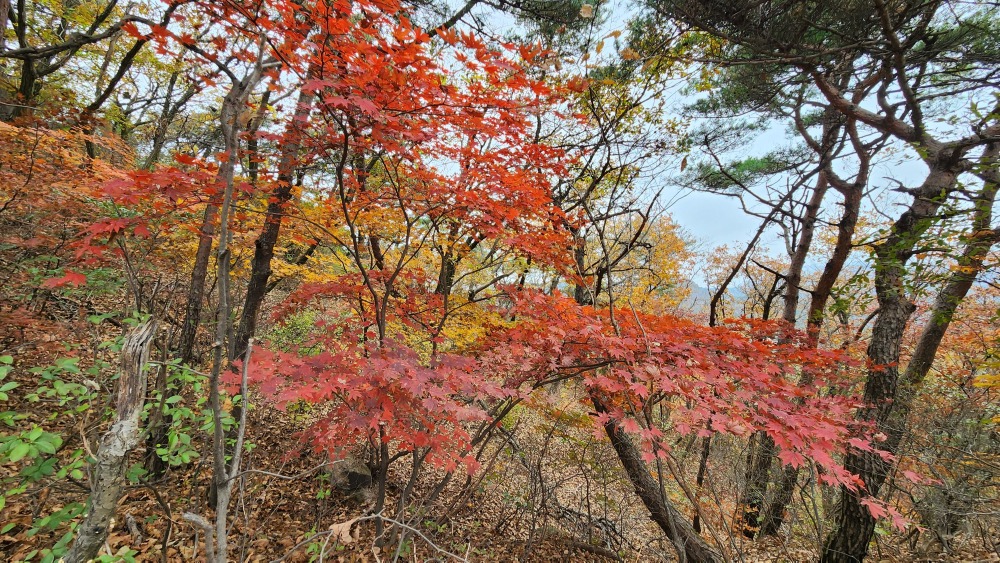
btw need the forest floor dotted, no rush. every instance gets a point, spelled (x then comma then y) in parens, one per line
(544, 489)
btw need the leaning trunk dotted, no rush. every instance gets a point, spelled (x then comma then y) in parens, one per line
(690, 546)
(854, 528)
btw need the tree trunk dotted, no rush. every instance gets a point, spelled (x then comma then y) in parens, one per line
(4, 15)
(690, 546)
(699, 480)
(854, 527)
(798, 260)
(446, 275)
(260, 267)
(196, 289)
(761, 452)
(20, 104)
(762, 449)
(112, 455)
(841, 251)
(774, 513)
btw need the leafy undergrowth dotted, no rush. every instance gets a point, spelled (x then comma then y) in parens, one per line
(546, 489)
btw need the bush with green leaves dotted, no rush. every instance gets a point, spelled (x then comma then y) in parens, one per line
(184, 406)
(38, 452)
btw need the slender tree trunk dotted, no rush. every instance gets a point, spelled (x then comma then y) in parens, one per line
(260, 267)
(759, 462)
(112, 456)
(835, 265)
(793, 278)
(774, 514)
(196, 289)
(699, 480)
(222, 477)
(158, 422)
(582, 292)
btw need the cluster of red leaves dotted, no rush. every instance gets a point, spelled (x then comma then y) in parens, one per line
(386, 393)
(448, 148)
(453, 144)
(734, 379)
(145, 201)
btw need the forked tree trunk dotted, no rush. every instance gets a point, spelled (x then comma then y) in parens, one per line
(774, 513)
(762, 449)
(890, 396)
(112, 455)
(848, 542)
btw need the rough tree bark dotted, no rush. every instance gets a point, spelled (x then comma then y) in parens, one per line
(855, 525)
(112, 455)
(260, 267)
(888, 394)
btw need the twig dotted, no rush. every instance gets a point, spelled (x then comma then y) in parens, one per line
(370, 517)
(285, 477)
(202, 524)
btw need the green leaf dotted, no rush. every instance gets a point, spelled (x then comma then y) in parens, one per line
(19, 451)
(46, 446)
(68, 364)
(34, 434)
